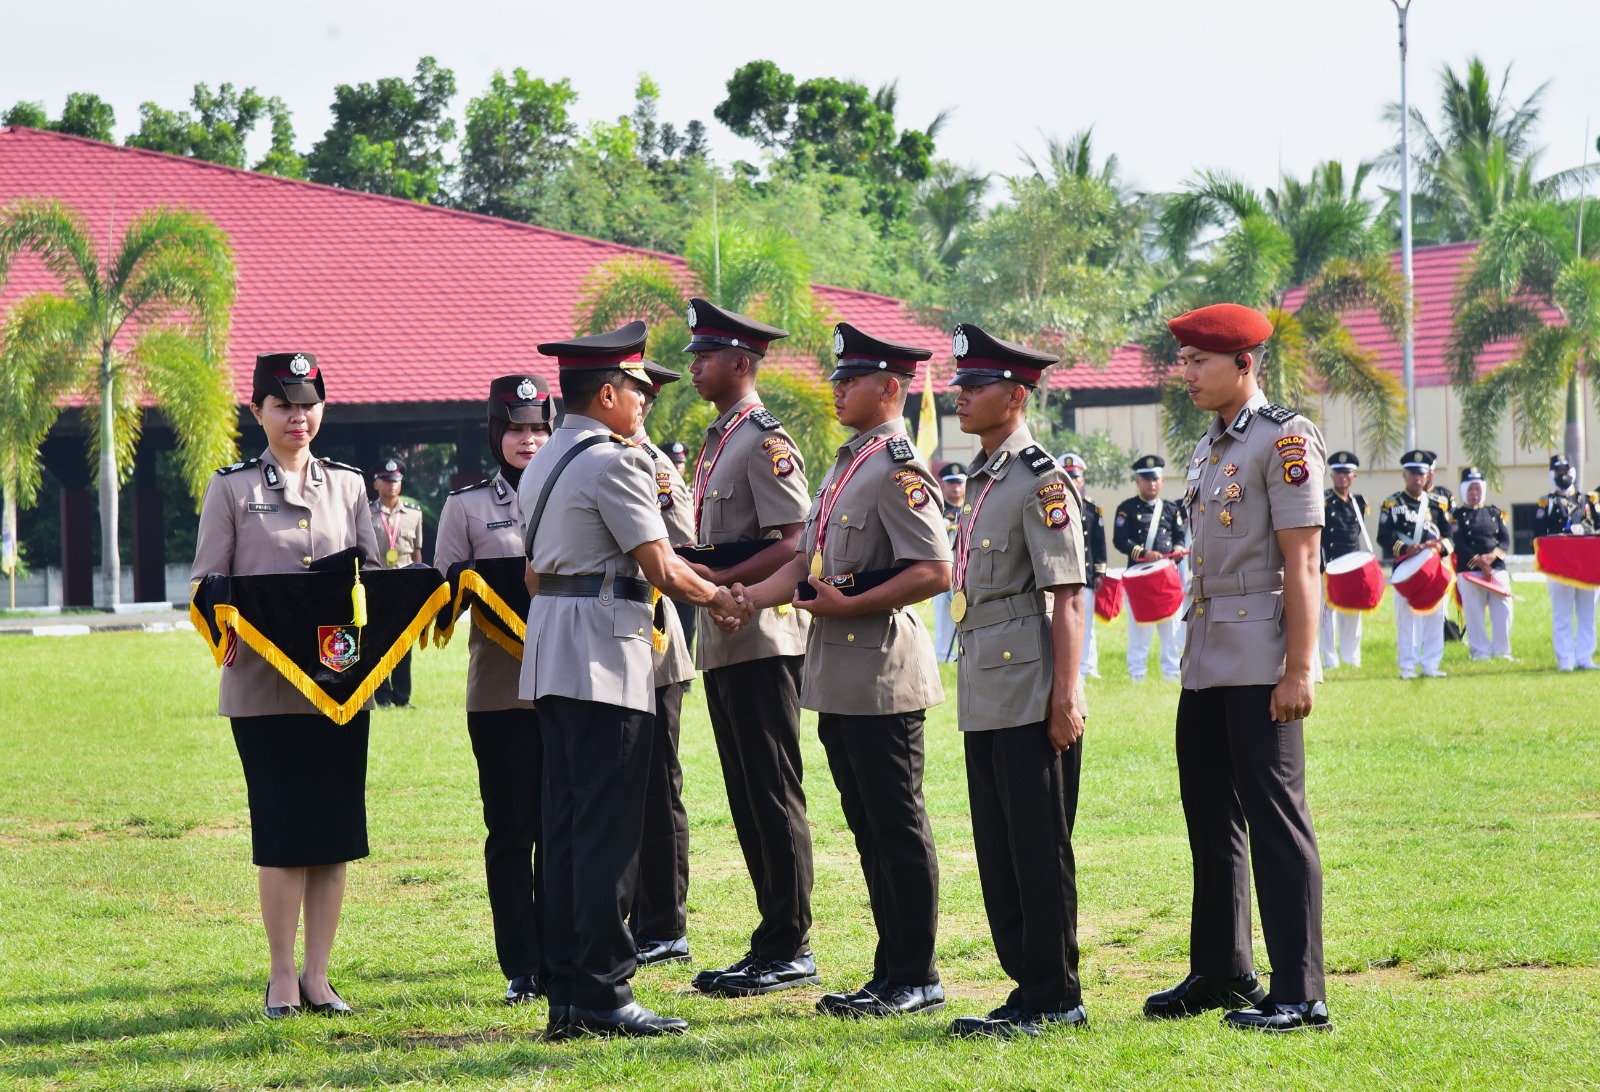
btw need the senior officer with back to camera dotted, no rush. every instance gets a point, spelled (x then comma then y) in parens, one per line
(596, 544)
(875, 545)
(480, 521)
(1254, 492)
(1020, 697)
(306, 775)
(750, 504)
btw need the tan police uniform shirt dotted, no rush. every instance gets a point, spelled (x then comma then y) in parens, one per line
(1026, 537)
(889, 513)
(255, 519)
(484, 521)
(1261, 473)
(602, 506)
(404, 521)
(757, 486)
(672, 664)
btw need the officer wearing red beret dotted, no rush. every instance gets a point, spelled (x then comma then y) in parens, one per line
(1254, 493)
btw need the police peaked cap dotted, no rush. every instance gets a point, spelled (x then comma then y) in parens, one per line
(1149, 466)
(676, 447)
(1221, 328)
(982, 359)
(294, 377)
(951, 472)
(862, 354)
(1471, 474)
(1071, 460)
(392, 469)
(622, 348)
(710, 327)
(660, 375)
(1343, 460)
(1417, 460)
(520, 399)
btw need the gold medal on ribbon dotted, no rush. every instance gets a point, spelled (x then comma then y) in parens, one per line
(816, 566)
(392, 557)
(958, 604)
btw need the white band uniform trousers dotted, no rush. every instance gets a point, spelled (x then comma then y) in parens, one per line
(1572, 624)
(1478, 603)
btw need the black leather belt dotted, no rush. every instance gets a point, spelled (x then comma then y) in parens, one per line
(588, 587)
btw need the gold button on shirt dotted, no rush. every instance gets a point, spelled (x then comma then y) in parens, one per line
(1277, 483)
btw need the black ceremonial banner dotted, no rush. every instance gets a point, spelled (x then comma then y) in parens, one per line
(723, 555)
(495, 588)
(305, 626)
(852, 583)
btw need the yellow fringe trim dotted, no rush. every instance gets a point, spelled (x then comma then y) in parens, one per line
(219, 651)
(472, 582)
(227, 614)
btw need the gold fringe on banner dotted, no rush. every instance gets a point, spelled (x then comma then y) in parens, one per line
(219, 649)
(228, 615)
(472, 583)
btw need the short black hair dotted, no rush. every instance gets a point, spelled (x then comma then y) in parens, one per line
(580, 386)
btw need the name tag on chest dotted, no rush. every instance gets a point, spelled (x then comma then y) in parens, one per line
(262, 507)
(502, 523)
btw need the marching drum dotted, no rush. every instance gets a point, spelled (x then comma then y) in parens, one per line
(1155, 590)
(1422, 580)
(1108, 596)
(1569, 559)
(1354, 582)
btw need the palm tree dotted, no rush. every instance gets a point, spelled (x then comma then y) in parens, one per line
(1527, 262)
(946, 206)
(1323, 235)
(147, 325)
(762, 272)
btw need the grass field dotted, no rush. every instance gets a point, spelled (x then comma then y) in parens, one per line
(1459, 822)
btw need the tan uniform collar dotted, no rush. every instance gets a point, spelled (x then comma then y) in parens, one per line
(733, 411)
(1240, 425)
(892, 427)
(580, 423)
(275, 477)
(503, 492)
(998, 464)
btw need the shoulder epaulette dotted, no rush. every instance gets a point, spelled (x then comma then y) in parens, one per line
(234, 468)
(900, 450)
(1389, 502)
(1036, 458)
(645, 446)
(340, 466)
(1096, 508)
(762, 418)
(413, 505)
(1278, 415)
(470, 488)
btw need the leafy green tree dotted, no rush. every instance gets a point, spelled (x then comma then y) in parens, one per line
(146, 324)
(215, 131)
(760, 272)
(832, 125)
(1322, 234)
(518, 139)
(281, 158)
(390, 137)
(947, 206)
(1527, 262)
(84, 115)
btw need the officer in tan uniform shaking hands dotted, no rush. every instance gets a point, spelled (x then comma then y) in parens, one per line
(750, 504)
(875, 543)
(1021, 703)
(1255, 499)
(596, 544)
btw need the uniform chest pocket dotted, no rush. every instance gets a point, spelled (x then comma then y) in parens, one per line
(987, 562)
(720, 508)
(846, 537)
(1227, 508)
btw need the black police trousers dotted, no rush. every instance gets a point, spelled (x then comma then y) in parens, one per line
(661, 905)
(755, 716)
(596, 765)
(510, 754)
(877, 764)
(396, 689)
(1024, 800)
(1243, 779)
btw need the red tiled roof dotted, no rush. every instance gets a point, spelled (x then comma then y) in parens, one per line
(1436, 271)
(402, 302)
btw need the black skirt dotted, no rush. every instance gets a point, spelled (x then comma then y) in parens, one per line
(307, 779)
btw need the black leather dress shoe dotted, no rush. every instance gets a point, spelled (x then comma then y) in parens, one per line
(336, 1007)
(276, 1012)
(523, 988)
(838, 1004)
(631, 1019)
(558, 1028)
(1199, 992)
(1012, 1021)
(898, 999)
(704, 979)
(768, 976)
(1278, 1016)
(652, 952)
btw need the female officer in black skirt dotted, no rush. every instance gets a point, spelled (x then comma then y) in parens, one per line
(484, 521)
(306, 775)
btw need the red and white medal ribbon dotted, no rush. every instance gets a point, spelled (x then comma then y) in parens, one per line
(703, 469)
(958, 574)
(830, 496)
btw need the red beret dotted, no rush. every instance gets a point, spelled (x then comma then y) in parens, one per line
(1222, 328)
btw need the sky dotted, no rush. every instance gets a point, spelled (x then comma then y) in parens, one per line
(1257, 87)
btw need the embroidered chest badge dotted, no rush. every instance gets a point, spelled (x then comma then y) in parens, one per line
(1233, 492)
(1230, 470)
(1226, 518)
